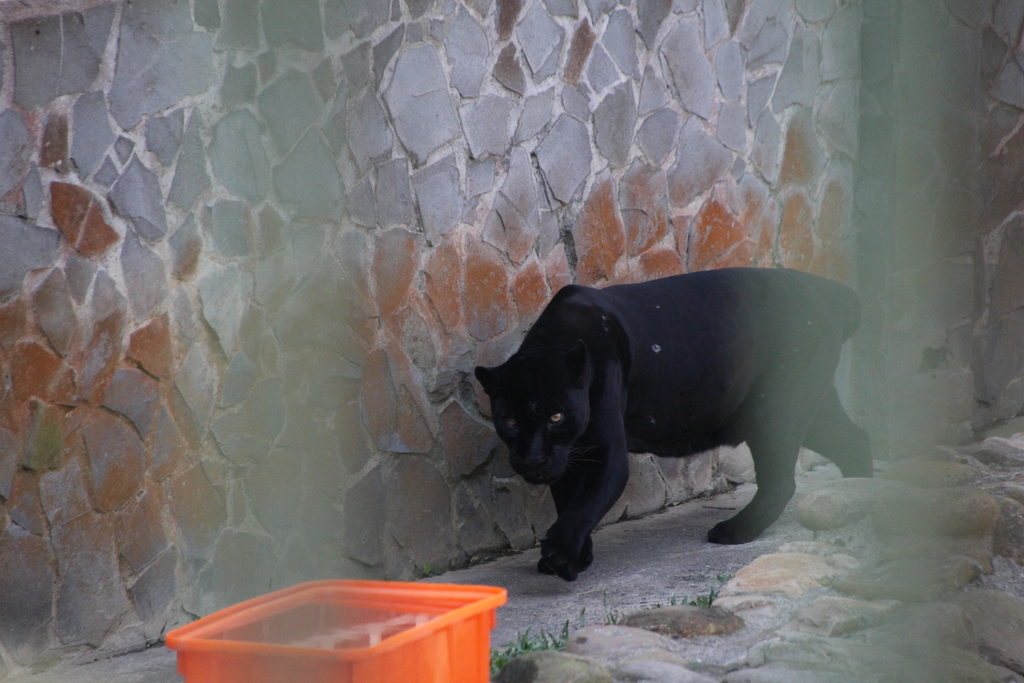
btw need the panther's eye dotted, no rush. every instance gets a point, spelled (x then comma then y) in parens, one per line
(557, 417)
(510, 421)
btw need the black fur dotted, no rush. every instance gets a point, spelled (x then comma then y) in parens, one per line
(675, 367)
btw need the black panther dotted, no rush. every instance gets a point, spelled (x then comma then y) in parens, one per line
(675, 366)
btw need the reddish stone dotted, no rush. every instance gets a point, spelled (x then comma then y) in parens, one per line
(408, 326)
(508, 13)
(200, 512)
(766, 243)
(643, 200)
(150, 347)
(660, 262)
(55, 144)
(96, 236)
(579, 51)
(802, 158)
(45, 443)
(413, 431)
(63, 491)
(117, 459)
(169, 446)
(144, 537)
(395, 263)
(796, 236)
(486, 296)
(379, 398)
(715, 233)
(834, 217)
(531, 290)
(556, 265)
(467, 443)
(69, 205)
(101, 354)
(831, 263)
(35, 371)
(443, 274)
(12, 322)
(24, 506)
(599, 235)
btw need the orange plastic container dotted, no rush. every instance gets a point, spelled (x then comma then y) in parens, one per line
(345, 632)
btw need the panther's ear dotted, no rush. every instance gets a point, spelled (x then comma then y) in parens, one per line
(576, 359)
(488, 378)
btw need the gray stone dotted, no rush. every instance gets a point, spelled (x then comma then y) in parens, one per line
(467, 49)
(564, 157)
(716, 22)
(323, 79)
(417, 494)
(1007, 18)
(144, 277)
(599, 7)
(154, 591)
(240, 28)
(79, 273)
(239, 85)
(439, 195)
(364, 515)
(729, 68)
(15, 150)
(242, 374)
(539, 36)
(768, 46)
(123, 147)
(197, 382)
(394, 194)
(562, 8)
(240, 568)
(765, 153)
(801, 74)
(518, 211)
(292, 22)
(661, 671)
(480, 177)
(364, 17)
(691, 71)
(551, 666)
(32, 189)
(370, 135)
(51, 302)
(998, 618)
(362, 205)
(833, 617)
(814, 11)
(601, 71)
(289, 106)
(107, 175)
(163, 135)
(238, 156)
(92, 132)
(222, 291)
(614, 121)
(55, 56)
(413, 34)
(437, 30)
(657, 135)
(185, 246)
(98, 21)
(576, 104)
(26, 247)
(758, 94)
(384, 51)
(651, 14)
(700, 162)
(485, 121)
(536, 114)
(153, 74)
(732, 127)
(230, 228)
(266, 65)
(840, 45)
(1009, 84)
(135, 395)
(419, 102)
(508, 71)
(207, 14)
(620, 41)
(136, 196)
(653, 92)
(837, 116)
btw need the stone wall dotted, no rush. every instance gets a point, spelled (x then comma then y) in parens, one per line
(939, 224)
(252, 252)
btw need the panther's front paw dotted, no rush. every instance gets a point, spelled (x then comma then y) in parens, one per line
(555, 559)
(725, 533)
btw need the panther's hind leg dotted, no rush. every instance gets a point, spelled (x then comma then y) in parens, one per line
(835, 436)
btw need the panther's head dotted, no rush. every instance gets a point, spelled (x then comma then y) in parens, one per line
(540, 407)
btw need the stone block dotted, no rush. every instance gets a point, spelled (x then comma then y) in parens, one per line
(803, 158)
(507, 69)
(716, 236)
(394, 194)
(619, 40)
(37, 371)
(485, 121)
(530, 290)
(238, 157)
(836, 117)
(24, 506)
(150, 347)
(169, 446)
(729, 70)
(15, 150)
(536, 115)
(185, 247)
(144, 277)
(163, 135)
(123, 148)
(758, 94)
(601, 71)
(107, 174)
(517, 208)
(700, 162)
(135, 395)
(467, 50)
(55, 56)
(552, 665)
(579, 50)
(154, 591)
(207, 14)
(240, 26)
(840, 46)
(732, 127)
(384, 51)
(395, 263)
(51, 301)
(575, 103)
(241, 376)
(200, 512)
(12, 321)
(653, 92)
(508, 14)
(102, 350)
(651, 14)
(239, 85)
(1006, 20)
(658, 134)
(614, 121)
(644, 207)
(767, 46)
(53, 151)
(117, 460)
(63, 492)
(32, 189)
(289, 105)
(222, 291)
(26, 593)
(599, 235)
(439, 195)
(692, 75)
(564, 157)
(326, 86)
(137, 197)
(416, 495)
(764, 155)
(44, 445)
(796, 236)
(144, 537)
(801, 73)
(291, 23)
(230, 227)
(79, 216)
(467, 443)
(486, 303)
(241, 568)
(362, 205)
(420, 104)
(442, 284)
(197, 382)
(370, 135)
(365, 17)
